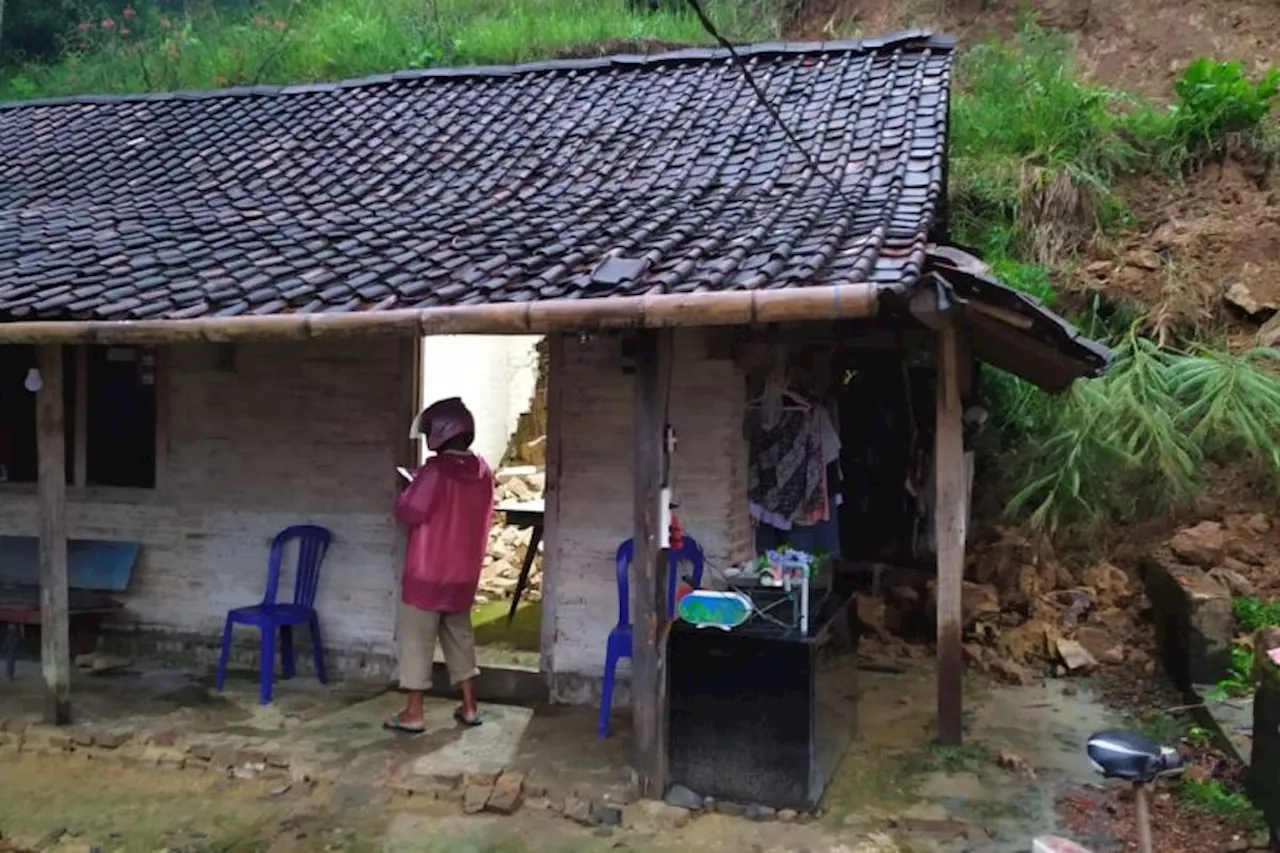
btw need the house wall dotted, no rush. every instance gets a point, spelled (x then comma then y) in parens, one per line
(292, 433)
(494, 374)
(590, 487)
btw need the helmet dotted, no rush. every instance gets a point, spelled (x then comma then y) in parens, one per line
(442, 421)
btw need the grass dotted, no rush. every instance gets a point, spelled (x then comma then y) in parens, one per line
(523, 634)
(1211, 796)
(279, 41)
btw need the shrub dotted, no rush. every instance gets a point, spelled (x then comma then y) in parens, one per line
(1133, 442)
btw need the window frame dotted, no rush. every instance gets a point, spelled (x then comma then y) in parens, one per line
(78, 488)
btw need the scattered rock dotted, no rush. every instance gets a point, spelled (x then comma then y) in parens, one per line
(578, 810)
(1108, 581)
(1269, 334)
(788, 816)
(976, 600)
(729, 809)
(1015, 763)
(1143, 259)
(475, 798)
(1075, 657)
(758, 812)
(1236, 583)
(1202, 545)
(682, 797)
(507, 795)
(606, 816)
(1033, 640)
(280, 790)
(1095, 639)
(1240, 295)
(652, 815)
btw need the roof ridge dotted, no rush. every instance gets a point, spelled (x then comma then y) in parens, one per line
(920, 39)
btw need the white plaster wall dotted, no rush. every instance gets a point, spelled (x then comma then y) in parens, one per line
(593, 488)
(495, 375)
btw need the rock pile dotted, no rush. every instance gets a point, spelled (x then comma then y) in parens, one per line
(508, 545)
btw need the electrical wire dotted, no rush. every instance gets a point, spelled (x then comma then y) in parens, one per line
(710, 27)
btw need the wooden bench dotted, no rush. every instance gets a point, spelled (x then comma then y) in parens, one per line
(95, 570)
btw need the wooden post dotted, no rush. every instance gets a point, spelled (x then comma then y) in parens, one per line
(55, 629)
(950, 516)
(648, 574)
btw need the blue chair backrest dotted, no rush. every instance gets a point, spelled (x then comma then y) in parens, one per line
(689, 552)
(313, 542)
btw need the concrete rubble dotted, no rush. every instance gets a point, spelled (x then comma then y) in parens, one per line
(508, 545)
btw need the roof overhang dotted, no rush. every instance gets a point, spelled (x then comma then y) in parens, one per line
(1008, 329)
(732, 308)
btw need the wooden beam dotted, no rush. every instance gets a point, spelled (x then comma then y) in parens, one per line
(55, 650)
(950, 519)
(648, 574)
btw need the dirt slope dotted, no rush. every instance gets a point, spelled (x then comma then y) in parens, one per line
(1138, 45)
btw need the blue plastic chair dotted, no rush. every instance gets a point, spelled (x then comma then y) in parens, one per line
(621, 642)
(269, 617)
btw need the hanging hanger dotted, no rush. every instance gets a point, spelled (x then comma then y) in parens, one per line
(793, 402)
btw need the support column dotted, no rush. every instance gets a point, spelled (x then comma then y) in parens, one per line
(55, 622)
(950, 519)
(648, 572)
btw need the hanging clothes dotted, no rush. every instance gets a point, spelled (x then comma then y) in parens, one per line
(787, 478)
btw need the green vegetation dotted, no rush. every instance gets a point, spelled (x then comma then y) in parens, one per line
(1037, 159)
(144, 47)
(1239, 680)
(1253, 613)
(1212, 796)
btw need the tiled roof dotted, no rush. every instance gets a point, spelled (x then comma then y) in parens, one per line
(464, 186)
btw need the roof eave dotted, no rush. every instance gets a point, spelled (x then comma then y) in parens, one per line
(836, 302)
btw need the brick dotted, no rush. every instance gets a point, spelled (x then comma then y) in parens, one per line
(481, 779)
(83, 739)
(508, 794)
(112, 740)
(200, 751)
(475, 797)
(164, 739)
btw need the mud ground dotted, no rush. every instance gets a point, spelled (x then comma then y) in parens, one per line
(894, 791)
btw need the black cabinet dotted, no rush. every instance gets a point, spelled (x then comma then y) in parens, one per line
(762, 714)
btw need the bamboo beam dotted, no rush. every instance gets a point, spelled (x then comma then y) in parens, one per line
(743, 307)
(648, 566)
(950, 517)
(55, 633)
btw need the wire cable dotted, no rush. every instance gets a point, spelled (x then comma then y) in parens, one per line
(710, 27)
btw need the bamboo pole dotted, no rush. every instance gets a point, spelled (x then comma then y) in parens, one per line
(744, 307)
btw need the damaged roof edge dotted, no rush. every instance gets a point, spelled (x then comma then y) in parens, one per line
(919, 39)
(1015, 331)
(743, 307)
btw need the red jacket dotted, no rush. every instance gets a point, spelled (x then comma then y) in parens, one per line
(448, 508)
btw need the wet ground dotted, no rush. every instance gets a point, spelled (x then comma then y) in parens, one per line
(345, 787)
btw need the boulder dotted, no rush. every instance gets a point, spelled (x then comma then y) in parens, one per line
(976, 600)
(1237, 584)
(1202, 545)
(1194, 623)
(1109, 581)
(1075, 657)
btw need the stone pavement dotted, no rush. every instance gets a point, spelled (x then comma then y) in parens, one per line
(310, 735)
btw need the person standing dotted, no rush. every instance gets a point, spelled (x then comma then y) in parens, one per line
(448, 507)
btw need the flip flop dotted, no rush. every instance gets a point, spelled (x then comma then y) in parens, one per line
(394, 723)
(461, 719)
